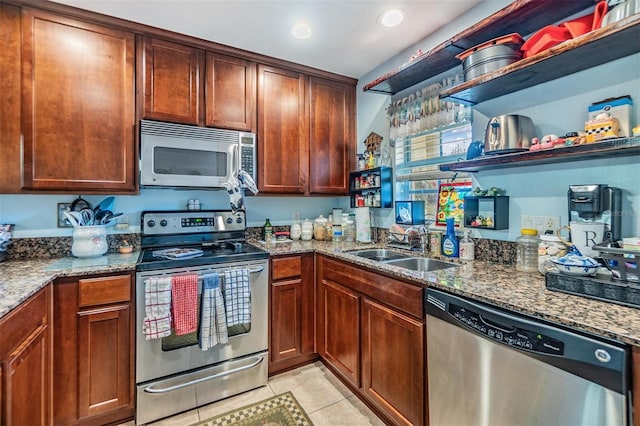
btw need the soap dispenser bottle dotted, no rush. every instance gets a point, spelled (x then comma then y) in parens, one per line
(467, 249)
(450, 241)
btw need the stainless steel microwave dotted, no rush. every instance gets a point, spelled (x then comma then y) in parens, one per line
(178, 155)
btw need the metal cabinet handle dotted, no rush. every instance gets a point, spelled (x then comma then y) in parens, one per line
(151, 389)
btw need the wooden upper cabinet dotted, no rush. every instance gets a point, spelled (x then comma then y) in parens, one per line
(77, 104)
(283, 132)
(332, 141)
(172, 82)
(230, 94)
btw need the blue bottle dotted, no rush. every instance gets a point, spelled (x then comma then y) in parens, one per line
(450, 245)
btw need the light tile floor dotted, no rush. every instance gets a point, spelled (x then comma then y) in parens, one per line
(324, 398)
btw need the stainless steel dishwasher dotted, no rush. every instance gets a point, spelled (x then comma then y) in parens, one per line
(487, 366)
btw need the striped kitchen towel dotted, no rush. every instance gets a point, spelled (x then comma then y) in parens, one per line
(157, 308)
(213, 320)
(184, 303)
(237, 297)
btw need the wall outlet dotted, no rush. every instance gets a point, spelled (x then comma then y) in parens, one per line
(541, 223)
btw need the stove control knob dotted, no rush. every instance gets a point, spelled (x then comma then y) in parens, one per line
(229, 220)
(163, 222)
(239, 219)
(151, 223)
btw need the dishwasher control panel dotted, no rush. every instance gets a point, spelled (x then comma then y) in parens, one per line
(520, 338)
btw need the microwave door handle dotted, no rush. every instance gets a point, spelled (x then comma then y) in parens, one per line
(235, 161)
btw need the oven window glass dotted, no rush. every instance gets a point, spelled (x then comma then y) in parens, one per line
(173, 342)
(190, 162)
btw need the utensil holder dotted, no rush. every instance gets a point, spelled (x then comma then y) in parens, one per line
(89, 241)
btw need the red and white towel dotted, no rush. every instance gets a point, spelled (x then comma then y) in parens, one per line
(184, 303)
(157, 308)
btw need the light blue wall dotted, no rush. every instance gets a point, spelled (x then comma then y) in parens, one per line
(555, 107)
(36, 215)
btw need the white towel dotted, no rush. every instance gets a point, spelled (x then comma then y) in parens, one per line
(237, 296)
(213, 321)
(157, 308)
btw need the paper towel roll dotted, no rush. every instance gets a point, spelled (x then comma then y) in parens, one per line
(363, 225)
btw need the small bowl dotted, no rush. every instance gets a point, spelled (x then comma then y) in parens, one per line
(576, 265)
(125, 249)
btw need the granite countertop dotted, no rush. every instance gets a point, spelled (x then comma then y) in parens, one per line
(494, 283)
(20, 279)
(500, 285)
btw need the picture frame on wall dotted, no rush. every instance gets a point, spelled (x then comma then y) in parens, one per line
(451, 201)
(63, 222)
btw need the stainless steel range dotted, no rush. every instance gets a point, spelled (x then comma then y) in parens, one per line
(174, 373)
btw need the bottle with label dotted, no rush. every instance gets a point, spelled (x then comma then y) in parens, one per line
(328, 231)
(337, 225)
(467, 249)
(450, 241)
(268, 231)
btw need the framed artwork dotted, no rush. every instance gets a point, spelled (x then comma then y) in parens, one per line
(451, 201)
(62, 220)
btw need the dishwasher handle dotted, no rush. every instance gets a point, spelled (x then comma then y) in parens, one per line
(495, 324)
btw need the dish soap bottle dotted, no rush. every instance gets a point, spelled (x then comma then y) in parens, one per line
(450, 241)
(268, 231)
(467, 249)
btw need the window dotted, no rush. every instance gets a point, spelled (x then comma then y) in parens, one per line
(417, 160)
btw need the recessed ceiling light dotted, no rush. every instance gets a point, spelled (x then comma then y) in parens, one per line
(301, 31)
(391, 17)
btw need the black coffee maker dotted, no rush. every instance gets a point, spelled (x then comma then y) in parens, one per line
(597, 203)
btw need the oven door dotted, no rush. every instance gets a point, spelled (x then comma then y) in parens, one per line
(178, 354)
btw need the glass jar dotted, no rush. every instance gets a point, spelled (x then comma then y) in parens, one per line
(295, 231)
(89, 241)
(549, 247)
(307, 230)
(348, 227)
(527, 250)
(319, 226)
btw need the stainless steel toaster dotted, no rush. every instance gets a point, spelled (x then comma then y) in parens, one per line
(508, 133)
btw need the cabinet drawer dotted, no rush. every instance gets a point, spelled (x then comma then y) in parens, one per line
(403, 296)
(17, 325)
(286, 267)
(103, 290)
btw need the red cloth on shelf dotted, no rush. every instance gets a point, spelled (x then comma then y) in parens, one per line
(184, 303)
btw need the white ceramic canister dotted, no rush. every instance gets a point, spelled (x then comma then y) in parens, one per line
(89, 241)
(296, 231)
(307, 230)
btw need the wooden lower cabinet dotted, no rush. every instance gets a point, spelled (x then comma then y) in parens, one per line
(393, 362)
(25, 363)
(94, 341)
(370, 332)
(292, 305)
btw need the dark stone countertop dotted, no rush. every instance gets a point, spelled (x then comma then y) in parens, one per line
(495, 283)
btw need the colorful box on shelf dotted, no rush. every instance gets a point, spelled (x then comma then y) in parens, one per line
(619, 108)
(603, 126)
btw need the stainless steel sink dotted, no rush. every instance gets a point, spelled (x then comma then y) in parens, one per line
(421, 264)
(381, 255)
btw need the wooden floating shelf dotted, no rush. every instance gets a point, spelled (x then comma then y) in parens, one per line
(589, 50)
(608, 148)
(521, 16)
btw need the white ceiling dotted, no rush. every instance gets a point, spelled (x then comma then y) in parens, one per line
(346, 38)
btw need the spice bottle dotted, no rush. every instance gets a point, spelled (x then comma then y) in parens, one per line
(267, 231)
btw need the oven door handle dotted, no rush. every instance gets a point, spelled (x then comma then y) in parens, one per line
(151, 389)
(254, 271)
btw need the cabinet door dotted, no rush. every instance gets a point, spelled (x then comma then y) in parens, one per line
(26, 381)
(393, 362)
(286, 316)
(172, 86)
(340, 328)
(104, 361)
(283, 131)
(77, 104)
(10, 160)
(292, 307)
(230, 94)
(332, 136)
